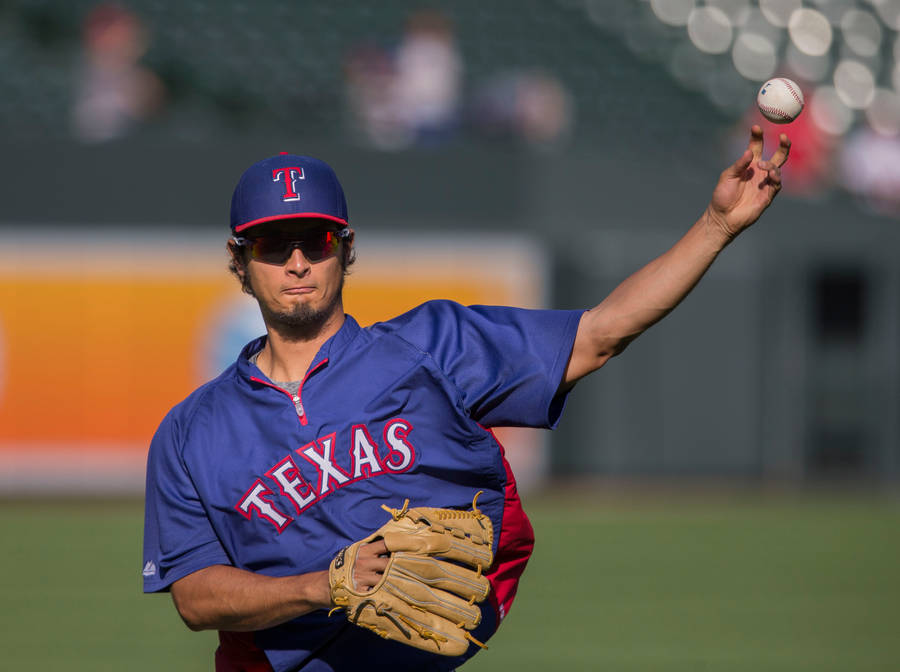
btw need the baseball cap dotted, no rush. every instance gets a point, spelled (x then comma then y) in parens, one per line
(287, 186)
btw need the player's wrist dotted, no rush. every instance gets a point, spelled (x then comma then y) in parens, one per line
(316, 591)
(717, 229)
(304, 593)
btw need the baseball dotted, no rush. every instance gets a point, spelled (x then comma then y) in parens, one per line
(780, 100)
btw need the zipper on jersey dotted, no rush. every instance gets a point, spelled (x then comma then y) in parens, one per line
(296, 399)
(298, 406)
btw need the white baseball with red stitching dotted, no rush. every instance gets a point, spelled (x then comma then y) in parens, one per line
(780, 100)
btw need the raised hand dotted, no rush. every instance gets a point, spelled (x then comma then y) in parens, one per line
(747, 187)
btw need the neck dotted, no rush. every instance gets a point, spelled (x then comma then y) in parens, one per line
(290, 350)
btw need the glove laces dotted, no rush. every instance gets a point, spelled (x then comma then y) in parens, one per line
(444, 514)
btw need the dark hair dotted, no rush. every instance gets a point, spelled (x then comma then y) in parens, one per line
(238, 262)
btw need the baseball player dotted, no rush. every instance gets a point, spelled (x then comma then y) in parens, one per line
(338, 476)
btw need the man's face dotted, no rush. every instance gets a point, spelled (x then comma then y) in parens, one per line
(297, 293)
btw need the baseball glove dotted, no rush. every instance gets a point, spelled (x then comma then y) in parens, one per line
(427, 594)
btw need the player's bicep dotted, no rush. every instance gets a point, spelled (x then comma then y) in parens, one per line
(589, 351)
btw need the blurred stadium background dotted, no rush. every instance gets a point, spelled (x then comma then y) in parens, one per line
(734, 474)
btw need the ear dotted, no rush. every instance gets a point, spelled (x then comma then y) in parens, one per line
(348, 246)
(237, 258)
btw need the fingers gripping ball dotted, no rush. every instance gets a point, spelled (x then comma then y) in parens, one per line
(427, 595)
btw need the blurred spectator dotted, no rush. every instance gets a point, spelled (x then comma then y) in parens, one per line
(429, 77)
(412, 96)
(533, 107)
(369, 79)
(114, 92)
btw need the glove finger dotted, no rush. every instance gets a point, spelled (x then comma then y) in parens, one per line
(478, 528)
(421, 629)
(444, 544)
(447, 576)
(425, 598)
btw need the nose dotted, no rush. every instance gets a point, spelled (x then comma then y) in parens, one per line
(297, 262)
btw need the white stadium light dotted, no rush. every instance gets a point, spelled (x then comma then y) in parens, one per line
(710, 30)
(855, 84)
(810, 31)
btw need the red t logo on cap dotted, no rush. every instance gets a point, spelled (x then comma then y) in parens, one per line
(289, 175)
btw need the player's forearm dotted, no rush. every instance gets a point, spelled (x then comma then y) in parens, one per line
(644, 298)
(652, 292)
(227, 598)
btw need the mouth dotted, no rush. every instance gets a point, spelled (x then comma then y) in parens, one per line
(298, 291)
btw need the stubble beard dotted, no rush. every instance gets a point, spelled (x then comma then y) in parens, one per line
(302, 321)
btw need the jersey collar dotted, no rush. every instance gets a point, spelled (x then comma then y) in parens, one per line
(330, 349)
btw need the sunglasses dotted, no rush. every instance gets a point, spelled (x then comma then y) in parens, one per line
(315, 246)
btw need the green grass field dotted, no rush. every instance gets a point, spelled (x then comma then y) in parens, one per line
(656, 583)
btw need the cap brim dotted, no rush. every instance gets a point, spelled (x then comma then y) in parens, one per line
(299, 215)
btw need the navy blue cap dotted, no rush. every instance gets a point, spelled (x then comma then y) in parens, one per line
(287, 186)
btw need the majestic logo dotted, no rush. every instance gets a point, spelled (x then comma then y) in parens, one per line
(324, 473)
(289, 176)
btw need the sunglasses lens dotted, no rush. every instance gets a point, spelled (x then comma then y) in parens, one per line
(321, 246)
(270, 250)
(315, 247)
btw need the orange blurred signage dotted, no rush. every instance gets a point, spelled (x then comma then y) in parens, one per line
(99, 339)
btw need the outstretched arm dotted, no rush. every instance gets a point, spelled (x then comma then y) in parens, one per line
(745, 189)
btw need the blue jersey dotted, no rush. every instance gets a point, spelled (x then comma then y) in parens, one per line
(244, 473)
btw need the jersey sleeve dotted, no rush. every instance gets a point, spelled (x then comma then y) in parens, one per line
(178, 536)
(507, 363)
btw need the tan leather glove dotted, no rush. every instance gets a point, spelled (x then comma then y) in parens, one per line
(428, 594)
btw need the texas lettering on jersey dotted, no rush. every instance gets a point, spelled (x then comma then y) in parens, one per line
(326, 472)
